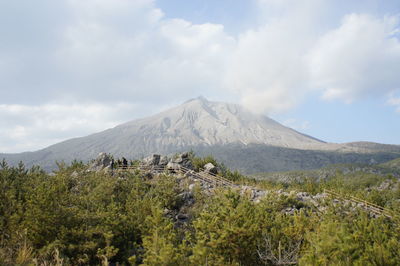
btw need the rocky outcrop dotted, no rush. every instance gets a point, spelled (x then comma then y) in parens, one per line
(183, 160)
(152, 160)
(156, 163)
(389, 184)
(163, 161)
(103, 161)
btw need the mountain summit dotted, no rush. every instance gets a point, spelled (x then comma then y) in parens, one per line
(202, 122)
(198, 124)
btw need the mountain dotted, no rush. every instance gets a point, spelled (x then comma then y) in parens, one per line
(225, 130)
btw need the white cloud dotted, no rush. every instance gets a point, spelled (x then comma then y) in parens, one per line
(268, 69)
(26, 127)
(394, 100)
(104, 52)
(132, 50)
(360, 58)
(296, 51)
(96, 54)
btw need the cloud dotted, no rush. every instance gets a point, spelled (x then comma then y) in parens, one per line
(394, 100)
(26, 127)
(103, 52)
(267, 68)
(132, 50)
(297, 51)
(116, 55)
(106, 51)
(360, 58)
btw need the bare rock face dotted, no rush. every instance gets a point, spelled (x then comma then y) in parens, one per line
(103, 161)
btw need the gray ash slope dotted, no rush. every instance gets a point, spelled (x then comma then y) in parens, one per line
(241, 139)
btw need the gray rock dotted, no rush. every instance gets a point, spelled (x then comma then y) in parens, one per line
(174, 167)
(183, 160)
(210, 168)
(303, 196)
(152, 160)
(163, 161)
(384, 185)
(103, 161)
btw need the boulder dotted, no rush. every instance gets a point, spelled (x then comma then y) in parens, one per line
(103, 161)
(183, 160)
(171, 166)
(163, 161)
(303, 196)
(210, 168)
(152, 160)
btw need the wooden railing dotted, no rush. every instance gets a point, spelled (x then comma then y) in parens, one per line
(208, 177)
(376, 209)
(217, 180)
(204, 176)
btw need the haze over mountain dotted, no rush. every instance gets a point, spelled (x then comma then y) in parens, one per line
(225, 130)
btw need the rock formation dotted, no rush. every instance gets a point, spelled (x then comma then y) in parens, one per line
(103, 161)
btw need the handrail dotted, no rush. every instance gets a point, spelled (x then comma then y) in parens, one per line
(218, 180)
(198, 175)
(372, 207)
(205, 176)
(216, 176)
(356, 199)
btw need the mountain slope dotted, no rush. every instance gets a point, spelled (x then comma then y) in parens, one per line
(395, 164)
(197, 124)
(200, 122)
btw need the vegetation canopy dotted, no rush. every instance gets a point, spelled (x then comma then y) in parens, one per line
(78, 217)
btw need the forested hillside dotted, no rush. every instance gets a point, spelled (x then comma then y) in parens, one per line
(79, 217)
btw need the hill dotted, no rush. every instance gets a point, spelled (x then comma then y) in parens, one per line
(395, 164)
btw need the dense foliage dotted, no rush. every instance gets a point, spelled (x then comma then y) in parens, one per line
(76, 217)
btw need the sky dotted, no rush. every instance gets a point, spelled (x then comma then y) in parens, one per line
(69, 68)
